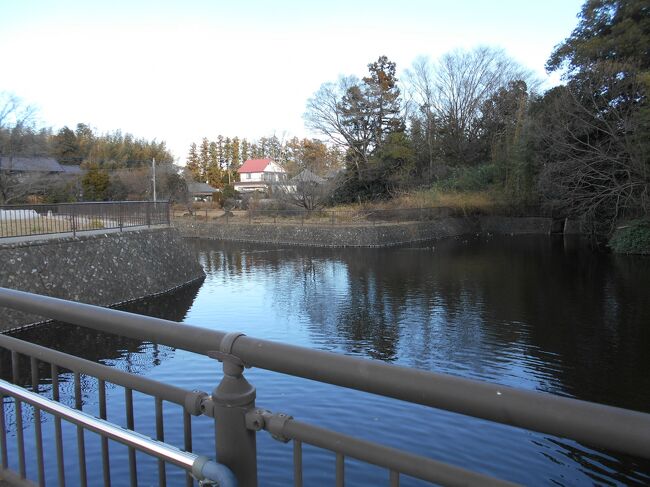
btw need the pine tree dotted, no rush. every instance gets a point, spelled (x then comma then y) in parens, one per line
(245, 150)
(236, 162)
(192, 165)
(204, 158)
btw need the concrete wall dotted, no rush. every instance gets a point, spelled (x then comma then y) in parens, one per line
(105, 269)
(501, 225)
(379, 235)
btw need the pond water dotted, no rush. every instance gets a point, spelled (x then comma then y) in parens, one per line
(532, 312)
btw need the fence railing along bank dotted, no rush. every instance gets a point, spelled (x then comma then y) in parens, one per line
(361, 216)
(237, 418)
(26, 220)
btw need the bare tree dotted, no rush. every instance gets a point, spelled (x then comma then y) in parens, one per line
(325, 116)
(18, 137)
(306, 190)
(597, 162)
(452, 90)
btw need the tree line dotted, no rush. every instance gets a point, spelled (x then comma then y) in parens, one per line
(216, 162)
(475, 120)
(114, 163)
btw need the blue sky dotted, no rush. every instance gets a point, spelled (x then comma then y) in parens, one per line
(182, 70)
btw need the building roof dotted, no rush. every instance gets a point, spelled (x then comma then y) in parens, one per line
(254, 165)
(30, 164)
(72, 170)
(200, 188)
(306, 176)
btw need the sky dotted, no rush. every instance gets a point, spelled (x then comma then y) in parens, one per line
(179, 71)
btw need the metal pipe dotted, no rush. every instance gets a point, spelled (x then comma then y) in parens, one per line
(597, 425)
(200, 466)
(383, 456)
(151, 387)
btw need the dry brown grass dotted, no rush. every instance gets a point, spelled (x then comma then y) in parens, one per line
(39, 225)
(465, 201)
(361, 213)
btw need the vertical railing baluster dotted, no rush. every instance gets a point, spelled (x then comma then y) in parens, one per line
(187, 440)
(3, 433)
(297, 463)
(3, 427)
(20, 440)
(106, 466)
(160, 436)
(81, 443)
(130, 424)
(57, 427)
(340, 470)
(38, 433)
(394, 478)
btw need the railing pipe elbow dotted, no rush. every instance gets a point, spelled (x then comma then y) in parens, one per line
(206, 469)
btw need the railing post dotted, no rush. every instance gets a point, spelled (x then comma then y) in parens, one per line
(234, 396)
(74, 222)
(147, 213)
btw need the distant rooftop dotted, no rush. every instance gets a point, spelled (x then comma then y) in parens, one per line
(306, 176)
(200, 188)
(254, 165)
(30, 164)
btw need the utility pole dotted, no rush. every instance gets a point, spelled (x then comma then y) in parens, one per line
(153, 165)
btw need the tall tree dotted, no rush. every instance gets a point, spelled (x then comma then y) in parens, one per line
(358, 115)
(450, 95)
(192, 165)
(245, 148)
(66, 147)
(204, 158)
(598, 164)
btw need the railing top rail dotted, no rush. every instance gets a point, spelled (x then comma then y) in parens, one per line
(82, 203)
(598, 425)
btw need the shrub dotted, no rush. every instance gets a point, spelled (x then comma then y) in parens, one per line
(633, 238)
(475, 178)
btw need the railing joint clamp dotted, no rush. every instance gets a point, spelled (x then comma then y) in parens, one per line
(228, 341)
(255, 419)
(274, 423)
(227, 358)
(224, 354)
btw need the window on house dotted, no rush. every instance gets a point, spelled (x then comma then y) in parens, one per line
(248, 175)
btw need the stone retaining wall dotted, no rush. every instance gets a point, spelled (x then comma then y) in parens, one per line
(377, 235)
(105, 269)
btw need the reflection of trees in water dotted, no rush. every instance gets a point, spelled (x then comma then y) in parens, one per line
(572, 321)
(130, 355)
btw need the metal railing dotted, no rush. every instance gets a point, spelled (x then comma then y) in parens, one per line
(28, 220)
(368, 216)
(238, 419)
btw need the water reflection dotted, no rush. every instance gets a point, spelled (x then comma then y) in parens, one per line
(130, 355)
(540, 313)
(532, 312)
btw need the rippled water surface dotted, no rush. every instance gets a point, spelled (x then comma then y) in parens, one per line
(536, 313)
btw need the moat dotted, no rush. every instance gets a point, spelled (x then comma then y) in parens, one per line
(531, 312)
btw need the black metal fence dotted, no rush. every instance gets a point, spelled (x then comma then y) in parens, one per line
(237, 419)
(361, 216)
(26, 220)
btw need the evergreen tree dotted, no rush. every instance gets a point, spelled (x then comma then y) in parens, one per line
(193, 166)
(204, 158)
(235, 151)
(245, 150)
(66, 147)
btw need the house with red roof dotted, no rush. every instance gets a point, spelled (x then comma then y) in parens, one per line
(259, 175)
